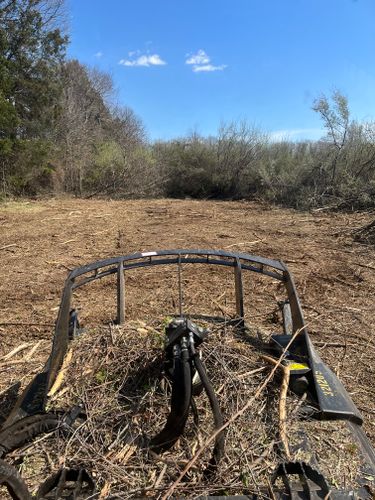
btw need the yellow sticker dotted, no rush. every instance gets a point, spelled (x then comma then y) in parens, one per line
(298, 366)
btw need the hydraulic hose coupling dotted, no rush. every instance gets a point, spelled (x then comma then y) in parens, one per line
(184, 348)
(176, 356)
(191, 343)
(176, 351)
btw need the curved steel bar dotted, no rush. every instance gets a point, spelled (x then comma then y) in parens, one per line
(183, 260)
(276, 264)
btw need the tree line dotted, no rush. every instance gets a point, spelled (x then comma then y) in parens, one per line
(61, 131)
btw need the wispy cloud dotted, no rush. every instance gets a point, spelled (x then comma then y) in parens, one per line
(296, 134)
(201, 62)
(208, 67)
(142, 60)
(99, 54)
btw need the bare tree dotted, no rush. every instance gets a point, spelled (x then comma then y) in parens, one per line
(239, 146)
(361, 150)
(335, 116)
(82, 121)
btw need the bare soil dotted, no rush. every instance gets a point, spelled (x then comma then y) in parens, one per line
(40, 241)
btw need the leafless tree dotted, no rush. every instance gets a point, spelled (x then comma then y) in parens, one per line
(335, 116)
(239, 146)
(82, 122)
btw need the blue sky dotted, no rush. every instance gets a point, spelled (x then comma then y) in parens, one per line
(189, 65)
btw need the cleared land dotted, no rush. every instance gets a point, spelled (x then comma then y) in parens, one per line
(335, 276)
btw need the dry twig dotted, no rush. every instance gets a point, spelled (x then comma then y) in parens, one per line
(282, 403)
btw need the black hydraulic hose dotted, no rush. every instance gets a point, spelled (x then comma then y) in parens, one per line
(180, 403)
(10, 478)
(218, 451)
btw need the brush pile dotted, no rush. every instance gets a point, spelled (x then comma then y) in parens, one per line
(366, 234)
(116, 375)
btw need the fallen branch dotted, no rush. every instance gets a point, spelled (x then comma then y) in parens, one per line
(366, 266)
(16, 351)
(263, 455)
(14, 362)
(8, 246)
(13, 323)
(282, 403)
(251, 372)
(332, 344)
(161, 475)
(29, 355)
(67, 241)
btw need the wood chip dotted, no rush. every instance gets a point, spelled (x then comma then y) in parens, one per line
(16, 350)
(61, 375)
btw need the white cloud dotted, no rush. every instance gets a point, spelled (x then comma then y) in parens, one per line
(144, 60)
(99, 54)
(199, 58)
(208, 67)
(201, 62)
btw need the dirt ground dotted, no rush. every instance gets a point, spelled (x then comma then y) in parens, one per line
(40, 241)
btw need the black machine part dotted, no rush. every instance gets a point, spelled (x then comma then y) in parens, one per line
(72, 484)
(310, 374)
(310, 484)
(180, 402)
(10, 478)
(28, 428)
(183, 364)
(331, 398)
